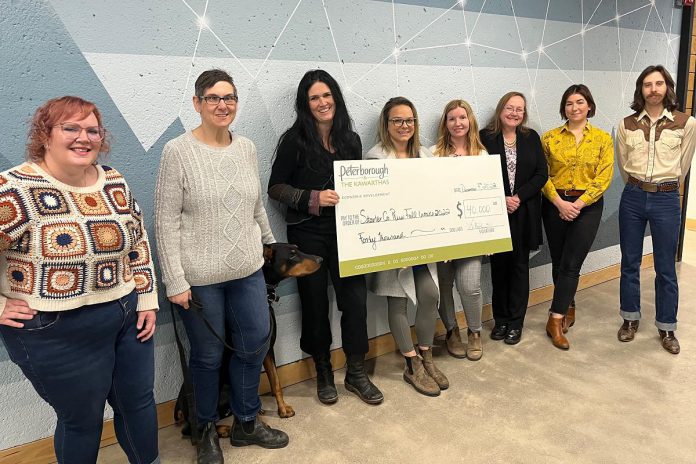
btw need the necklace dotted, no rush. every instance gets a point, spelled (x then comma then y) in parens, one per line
(510, 144)
(84, 181)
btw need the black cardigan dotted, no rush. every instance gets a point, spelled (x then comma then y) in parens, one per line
(292, 179)
(530, 176)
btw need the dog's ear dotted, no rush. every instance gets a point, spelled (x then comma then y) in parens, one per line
(267, 253)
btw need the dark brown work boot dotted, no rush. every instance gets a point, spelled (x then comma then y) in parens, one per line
(628, 330)
(669, 341)
(554, 329)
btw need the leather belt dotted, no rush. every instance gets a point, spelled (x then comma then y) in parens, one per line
(570, 193)
(668, 186)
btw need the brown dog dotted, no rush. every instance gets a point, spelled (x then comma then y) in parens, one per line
(281, 260)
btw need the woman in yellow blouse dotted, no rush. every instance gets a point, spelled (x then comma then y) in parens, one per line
(581, 162)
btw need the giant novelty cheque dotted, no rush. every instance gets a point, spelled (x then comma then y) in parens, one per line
(403, 212)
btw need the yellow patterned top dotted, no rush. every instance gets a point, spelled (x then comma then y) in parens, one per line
(586, 166)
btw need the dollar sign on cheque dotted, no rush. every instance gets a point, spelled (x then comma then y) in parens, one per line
(459, 208)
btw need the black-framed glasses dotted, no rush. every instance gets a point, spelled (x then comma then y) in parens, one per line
(399, 122)
(72, 131)
(214, 100)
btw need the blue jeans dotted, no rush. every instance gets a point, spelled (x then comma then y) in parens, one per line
(661, 210)
(79, 359)
(238, 308)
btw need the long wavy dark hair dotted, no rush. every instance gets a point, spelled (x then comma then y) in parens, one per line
(341, 136)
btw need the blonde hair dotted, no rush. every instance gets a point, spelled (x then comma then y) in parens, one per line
(495, 126)
(444, 145)
(385, 140)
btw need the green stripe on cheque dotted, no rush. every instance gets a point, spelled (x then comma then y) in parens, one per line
(415, 257)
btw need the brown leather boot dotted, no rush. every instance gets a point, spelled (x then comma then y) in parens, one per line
(433, 371)
(669, 341)
(474, 350)
(455, 347)
(554, 329)
(628, 330)
(569, 319)
(416, 375)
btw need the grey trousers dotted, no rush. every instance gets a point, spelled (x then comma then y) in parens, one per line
(426, 312)
(467, 273)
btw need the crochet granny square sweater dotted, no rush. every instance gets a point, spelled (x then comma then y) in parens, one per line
(64, 247)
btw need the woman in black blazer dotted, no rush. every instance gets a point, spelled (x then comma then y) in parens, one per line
(524, 174)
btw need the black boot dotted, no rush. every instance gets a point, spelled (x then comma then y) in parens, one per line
(326, 388)
(359, 383)
(208, 449)
(256, 432)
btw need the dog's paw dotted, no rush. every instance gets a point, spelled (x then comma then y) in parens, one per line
(223, 431)
(286, 411)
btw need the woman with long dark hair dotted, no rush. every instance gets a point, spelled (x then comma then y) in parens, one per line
(302, 179)
(399, 139)
(524, 174)
(581, 163)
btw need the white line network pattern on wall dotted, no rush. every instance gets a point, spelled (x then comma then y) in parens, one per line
(542, 49)
(394, 71)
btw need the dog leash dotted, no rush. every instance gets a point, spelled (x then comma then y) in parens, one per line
(197, 308)
(189, 395)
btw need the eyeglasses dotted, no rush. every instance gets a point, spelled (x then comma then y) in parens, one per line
(399, 122)
(73, 131)
(510, 109)
(214, 100)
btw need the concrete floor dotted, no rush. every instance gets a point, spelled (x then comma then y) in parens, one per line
(601, 402)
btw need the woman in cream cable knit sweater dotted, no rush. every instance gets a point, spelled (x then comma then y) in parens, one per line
(210, 224)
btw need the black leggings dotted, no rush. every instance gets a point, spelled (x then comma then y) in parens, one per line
(569, 244)
(351, 293)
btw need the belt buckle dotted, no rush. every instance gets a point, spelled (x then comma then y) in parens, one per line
(565, 192)
(650, 188)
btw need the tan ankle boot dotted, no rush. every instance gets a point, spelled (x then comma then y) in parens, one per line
(433, 371)
(569, 319)
(455, 347)
(554, 329)
(419, 378)
(474, 350)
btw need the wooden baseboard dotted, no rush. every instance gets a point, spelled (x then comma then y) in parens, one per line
(691, 224)
(41, 451)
